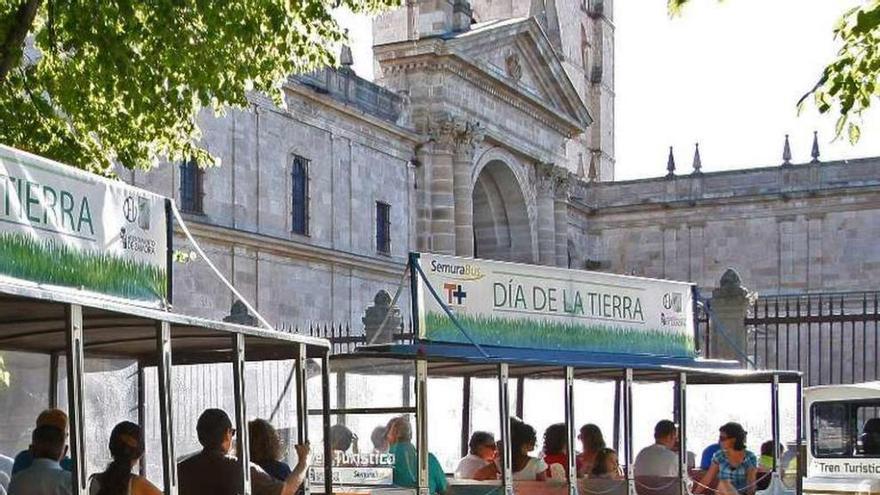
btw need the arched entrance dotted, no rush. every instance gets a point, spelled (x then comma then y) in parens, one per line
(501, 220)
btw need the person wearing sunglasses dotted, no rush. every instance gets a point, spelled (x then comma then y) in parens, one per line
(479, 464)
(735, 467)
(214, 471)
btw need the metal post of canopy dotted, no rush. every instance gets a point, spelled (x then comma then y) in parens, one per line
(520, 397)
(325, 397)
(141, 413)
(75, 403)
(166, 422)
(242, 444)
(466, 418)
(617, 409)
(504, 417)
(569, 428)
(628, 429)
(302, 405)
(422, 424)
(774, 414)
(681, 403)
(53, 380)
(799, 436)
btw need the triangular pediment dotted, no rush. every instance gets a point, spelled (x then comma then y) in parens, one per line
(517, 52)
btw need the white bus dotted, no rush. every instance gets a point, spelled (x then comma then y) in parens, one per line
(843, 447)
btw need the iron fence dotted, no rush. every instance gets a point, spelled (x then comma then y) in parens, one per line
(342, 339)
(832, 338)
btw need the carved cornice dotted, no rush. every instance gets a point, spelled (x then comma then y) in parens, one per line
(552, 117)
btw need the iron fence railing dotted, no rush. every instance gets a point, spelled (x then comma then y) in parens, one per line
(832, 338)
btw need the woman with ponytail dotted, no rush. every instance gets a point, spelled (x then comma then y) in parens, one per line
(126, 448)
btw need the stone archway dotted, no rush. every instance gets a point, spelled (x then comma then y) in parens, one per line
(501, 221)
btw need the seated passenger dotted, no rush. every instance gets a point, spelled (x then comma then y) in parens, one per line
(380, 445)
(342, 439)
(126, 448)
(592, 442)
(606, 466)
(213, 471)
(706, 456)
(51, 417)
(659, 459)
(398, 434)
(556, 452)
(766, 459)
(735, 467)
(870, 437)
(522, 441)
(44, 476)
(266, 449)
(479, 464)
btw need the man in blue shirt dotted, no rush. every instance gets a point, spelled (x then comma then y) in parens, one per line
(49, 417)
(708, 452)
(406, 458)
(44, 476)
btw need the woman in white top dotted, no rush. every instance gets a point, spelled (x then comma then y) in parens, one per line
(479, 463)
(126, 447)
(525, 467)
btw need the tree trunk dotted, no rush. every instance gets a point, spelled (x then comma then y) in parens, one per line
(10, 52)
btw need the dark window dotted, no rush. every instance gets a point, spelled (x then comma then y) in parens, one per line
(299, 219)
(191, 178)
(845, 428)
(383, 227)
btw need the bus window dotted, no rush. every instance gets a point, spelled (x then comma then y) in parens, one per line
(830, 425)
(867, 416)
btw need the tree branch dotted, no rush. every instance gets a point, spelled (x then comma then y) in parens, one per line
(12, 45)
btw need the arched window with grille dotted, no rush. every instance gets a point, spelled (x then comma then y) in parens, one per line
(299, 198)
(191, 187)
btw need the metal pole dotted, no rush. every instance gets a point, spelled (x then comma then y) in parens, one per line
(774, 413)
(242, 443)
(569, 427)
(75, 393)
(325, 396)
(166, 419)
(628, 429)
(53, 380)
(520, 398)
(422, 424)
(504, 417)
(466, 418)
(681, 403)
(302, 405)
(142, 414)
(799, 435)
(617, 412)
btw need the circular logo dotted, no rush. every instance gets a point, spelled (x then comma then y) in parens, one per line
(130, 209)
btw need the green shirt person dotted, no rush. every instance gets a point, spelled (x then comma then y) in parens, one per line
(398, 433)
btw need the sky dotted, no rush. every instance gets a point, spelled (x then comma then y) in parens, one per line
(725, 74)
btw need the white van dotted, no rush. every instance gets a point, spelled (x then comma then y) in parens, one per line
(843, 445)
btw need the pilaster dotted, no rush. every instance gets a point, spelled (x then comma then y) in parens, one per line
(441, 184)
(468, 136)
(545, 183)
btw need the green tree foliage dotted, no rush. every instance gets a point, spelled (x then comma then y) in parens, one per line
(94, 82)
(849, 84)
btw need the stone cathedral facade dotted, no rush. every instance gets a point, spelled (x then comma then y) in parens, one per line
(489, 133)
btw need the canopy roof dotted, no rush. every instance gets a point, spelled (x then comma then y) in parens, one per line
(33, 319)
(466, 360)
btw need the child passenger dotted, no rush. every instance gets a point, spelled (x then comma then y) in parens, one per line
(606, 465)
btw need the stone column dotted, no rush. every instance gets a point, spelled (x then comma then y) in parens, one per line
(423, 196)
(546, 214)
(468, 138)
(730, 302)
(560, 217)
(442, 197)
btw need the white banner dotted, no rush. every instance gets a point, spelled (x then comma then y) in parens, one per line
(61, 226)
(516, 305)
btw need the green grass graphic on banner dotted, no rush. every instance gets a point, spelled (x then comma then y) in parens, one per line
(537, 334)
(50, 262)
